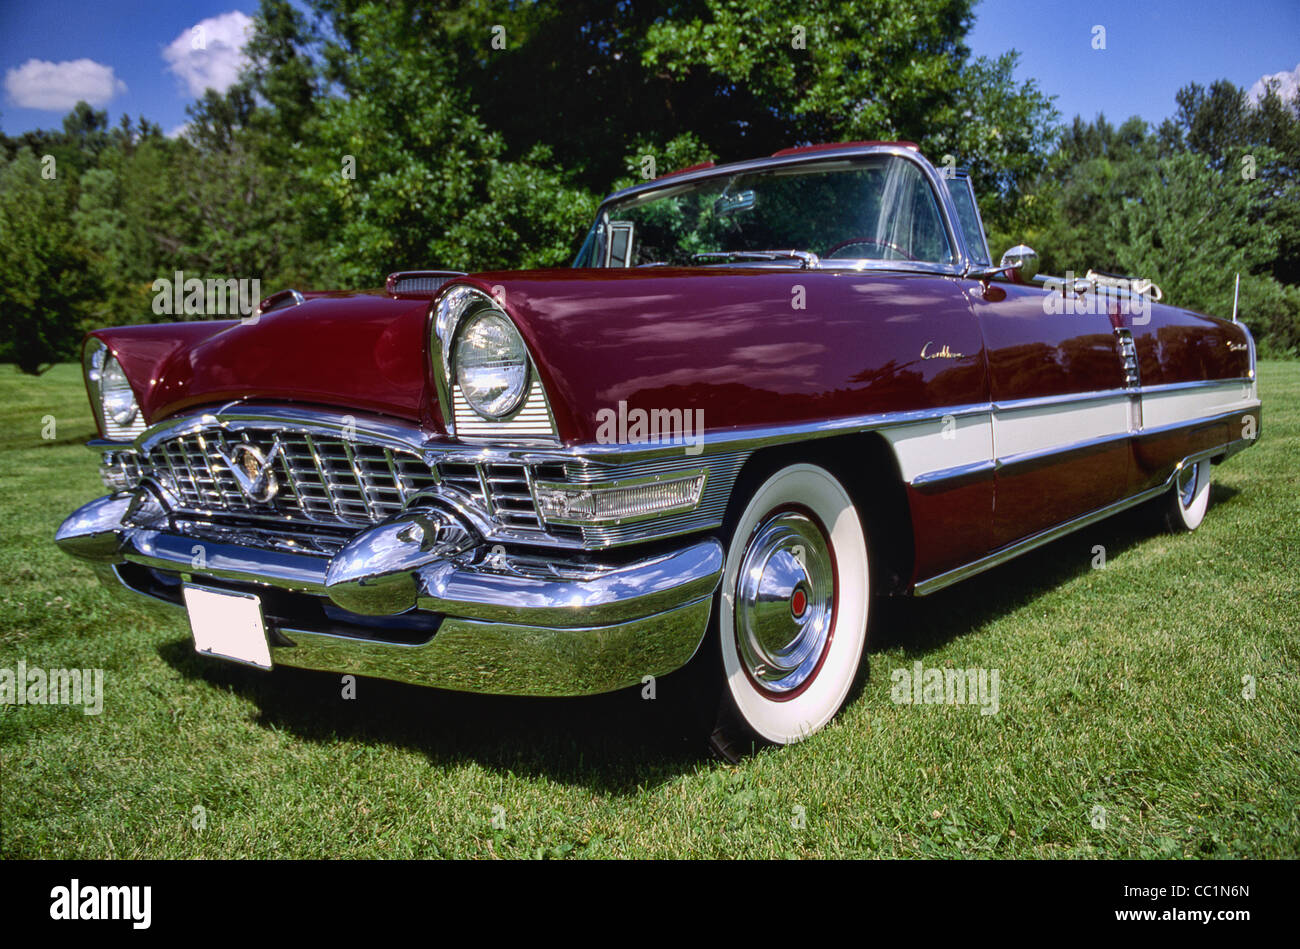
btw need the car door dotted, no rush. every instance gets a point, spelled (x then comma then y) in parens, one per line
(1062, 416)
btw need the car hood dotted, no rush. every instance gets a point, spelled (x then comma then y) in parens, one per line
(736, 345)
(355, 351)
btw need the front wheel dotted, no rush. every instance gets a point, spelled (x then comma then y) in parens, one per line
(793, 609)
(1186, 505)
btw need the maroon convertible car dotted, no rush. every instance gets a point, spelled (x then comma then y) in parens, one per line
(765, 394)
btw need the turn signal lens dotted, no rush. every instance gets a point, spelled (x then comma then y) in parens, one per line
(616, 502)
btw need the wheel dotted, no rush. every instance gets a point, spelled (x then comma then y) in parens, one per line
(1185, 507)
(792, 611)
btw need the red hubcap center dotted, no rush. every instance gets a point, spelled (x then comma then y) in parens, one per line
(798, 603)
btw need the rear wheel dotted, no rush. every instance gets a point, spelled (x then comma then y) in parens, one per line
(1187, 502)
(793, 610)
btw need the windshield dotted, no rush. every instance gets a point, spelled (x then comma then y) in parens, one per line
(872, 208)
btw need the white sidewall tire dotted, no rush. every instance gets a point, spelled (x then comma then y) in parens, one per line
(792, 719)
(1191, 515)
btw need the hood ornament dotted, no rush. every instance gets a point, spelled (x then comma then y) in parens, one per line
(254, 472)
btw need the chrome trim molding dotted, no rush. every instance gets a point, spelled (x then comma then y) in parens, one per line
(427, 281)
(281, 299)
(530, 422)
(1009, 552)
(474, 656)
(955, 473)
(1245, 409)
(616, 461)
(1039, 454)
(514, 659)
(425, 558)
(1195, 384)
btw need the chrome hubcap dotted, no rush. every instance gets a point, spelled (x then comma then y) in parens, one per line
(785, 596)
(1187, 484)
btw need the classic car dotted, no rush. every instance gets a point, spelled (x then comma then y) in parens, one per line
(766, 394)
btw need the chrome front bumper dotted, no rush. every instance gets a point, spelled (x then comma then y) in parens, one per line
(422, 599)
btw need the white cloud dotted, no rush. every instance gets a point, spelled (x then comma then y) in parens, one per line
(1288, 82)
(177, 131)
(38, 84)
(210, 54)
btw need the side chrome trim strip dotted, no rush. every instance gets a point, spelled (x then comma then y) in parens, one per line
(1198, 384)
(953, 474)
(1038, 454)
(1043, 401)
(926, 587)
(714, 442)
(1011, 551)
(1011, 405)
(411, 436)
(1245, 409)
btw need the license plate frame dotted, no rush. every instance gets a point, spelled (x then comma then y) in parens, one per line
(227, 624)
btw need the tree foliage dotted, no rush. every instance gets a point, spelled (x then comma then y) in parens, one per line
(1212, 194)
(44, 283)
(366, 137)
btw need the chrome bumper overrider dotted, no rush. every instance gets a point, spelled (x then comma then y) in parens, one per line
(422, 598)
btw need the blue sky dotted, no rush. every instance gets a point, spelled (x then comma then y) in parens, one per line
(1153, 48)
(115, 50)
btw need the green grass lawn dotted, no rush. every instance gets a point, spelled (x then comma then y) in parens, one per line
(1121, 690)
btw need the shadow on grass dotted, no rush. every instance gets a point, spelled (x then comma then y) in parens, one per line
(619, 743)
(922, 624)
(616, 743)
(77, 438)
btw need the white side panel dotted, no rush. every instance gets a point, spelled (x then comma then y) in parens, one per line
(940, 444)
(1184, 405)
(1044, 427)
(936, 446)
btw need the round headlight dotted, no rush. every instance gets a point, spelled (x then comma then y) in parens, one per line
(491, 365)
(119, 401)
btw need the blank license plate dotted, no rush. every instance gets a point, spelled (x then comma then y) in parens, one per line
(228, 625)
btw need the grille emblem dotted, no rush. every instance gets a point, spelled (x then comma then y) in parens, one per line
(253, 471)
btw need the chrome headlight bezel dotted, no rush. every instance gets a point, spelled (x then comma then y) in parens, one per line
(114, 401)
(509, 353)
(529, 422)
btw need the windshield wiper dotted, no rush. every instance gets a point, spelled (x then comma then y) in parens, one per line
(807, 259)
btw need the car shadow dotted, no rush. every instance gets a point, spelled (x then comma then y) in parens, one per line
(620, 743)
(617, 743)
(77, 438)
(922, 624)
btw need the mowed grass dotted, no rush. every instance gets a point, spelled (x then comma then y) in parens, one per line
(1121, 689)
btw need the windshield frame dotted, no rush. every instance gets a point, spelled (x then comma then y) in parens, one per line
(964, 260)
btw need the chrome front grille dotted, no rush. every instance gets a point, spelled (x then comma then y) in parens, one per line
(334, 476)
(320, 478)
(503, 491)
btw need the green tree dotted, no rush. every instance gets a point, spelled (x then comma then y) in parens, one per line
(417, 180)
(45, 277)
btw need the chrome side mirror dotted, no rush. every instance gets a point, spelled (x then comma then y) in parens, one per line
(1021, 263)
